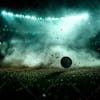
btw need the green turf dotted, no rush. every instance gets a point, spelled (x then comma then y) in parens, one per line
(50, 84)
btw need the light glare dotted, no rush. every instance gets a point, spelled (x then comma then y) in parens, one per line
(3, 12)
(27, 17)
(71, 17)
(10, 14)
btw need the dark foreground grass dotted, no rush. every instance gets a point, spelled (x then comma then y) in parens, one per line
(50, 84)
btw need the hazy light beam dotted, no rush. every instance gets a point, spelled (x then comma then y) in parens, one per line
(70, 17)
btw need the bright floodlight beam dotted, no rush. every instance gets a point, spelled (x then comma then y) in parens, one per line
(73, 17)
(3, 12)
(10, 14)
(76, 17)
(84, 16)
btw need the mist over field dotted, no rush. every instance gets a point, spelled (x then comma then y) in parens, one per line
(44, 42)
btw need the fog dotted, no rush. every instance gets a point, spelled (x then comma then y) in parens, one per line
(44, 42)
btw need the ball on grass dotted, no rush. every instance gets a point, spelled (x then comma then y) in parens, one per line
(66, 62)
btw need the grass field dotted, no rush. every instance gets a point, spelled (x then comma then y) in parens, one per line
(50, 84)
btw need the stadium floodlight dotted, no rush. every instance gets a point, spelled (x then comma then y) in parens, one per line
(19, 15)
(10, 14)
(52, 18)
(66, 18)
(77, 17)
(33, 17)
(83, 16)
(27, 17)
(3, 12)
(49, 18)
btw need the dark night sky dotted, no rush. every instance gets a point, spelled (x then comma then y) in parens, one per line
(51, 5)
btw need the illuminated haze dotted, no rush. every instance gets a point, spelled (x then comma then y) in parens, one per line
(44, 41)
